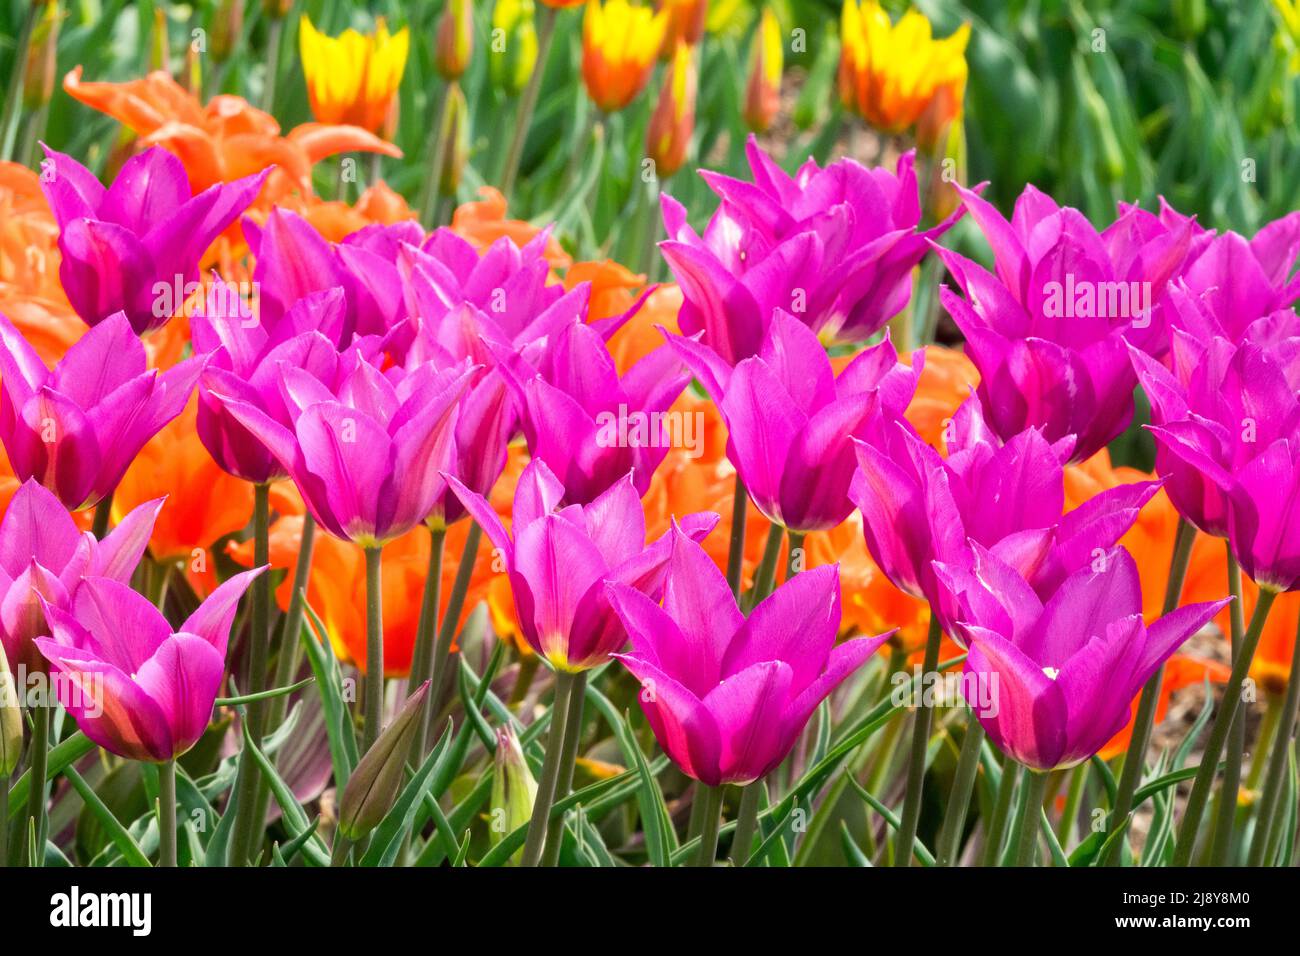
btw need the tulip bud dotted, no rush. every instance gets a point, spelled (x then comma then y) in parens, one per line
(11, 721)
(514, 45)
(763, 91)
(455, 41)
(38, 81)
(513, 788)
(192, 75)
(669, 134)
(227, 25)
(456, 140)
(373, 787)
(277, 9)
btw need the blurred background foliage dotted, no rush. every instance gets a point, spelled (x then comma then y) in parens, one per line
(1094, 102)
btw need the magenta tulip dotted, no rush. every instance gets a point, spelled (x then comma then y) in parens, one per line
(136, 246)
(791, 421)
(1048, 332)
(727, 696)
(834, 246)
(918, 508)
(134, 686)
(590, 425)
(1052, 681)
(558, 560)
(44, 556)
(77, 428)
(366, 448)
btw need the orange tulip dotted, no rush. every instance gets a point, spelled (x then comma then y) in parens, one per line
(225, 140)
(685, 22)
(484, 222)
(620, 43)
(1181, 671)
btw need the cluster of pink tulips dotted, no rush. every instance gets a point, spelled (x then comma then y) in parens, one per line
(391, 379)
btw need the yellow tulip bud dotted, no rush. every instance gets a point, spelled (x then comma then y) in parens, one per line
(514, 44)
(455, 42)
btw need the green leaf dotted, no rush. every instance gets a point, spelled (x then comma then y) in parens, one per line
(117, 833)
(851, 849)
(329, 681)
(263, 695)
(660, 838)
(60, 756)
(921, 852)
(295, 817)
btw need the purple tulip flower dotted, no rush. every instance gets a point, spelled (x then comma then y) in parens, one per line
(559, 559)
(791, 421)
(1048, 332)
(1225, 424)
(366, 448)
(1052, 680)
(77, 428)
(134, 686)
(44, 556)
(833, 246)
(243, 355)
(589, 424)
(136, 246)
(727, 696)
(918, 508)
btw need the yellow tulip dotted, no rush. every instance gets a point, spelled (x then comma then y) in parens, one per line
(455, 39)
(620, 43)
(896, 75)
(514, 44)
(352, 78)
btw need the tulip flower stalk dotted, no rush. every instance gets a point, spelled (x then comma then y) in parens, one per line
(1226, 818)
(248, 825)
(1135, 757)
(1268, 824)
(910, 818)
(528, 101)
(1219, 732)
(538, 825)
(1033, 797)
(167, 814)
(14, 96)
(374, 692)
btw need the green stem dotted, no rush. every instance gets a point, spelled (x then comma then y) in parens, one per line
(746, 822)
(339, 853)
(1073, 797)
(1027, 840)
(710, 823)
(736, 548)
(429, 192)
(374, 646)
(924, 716)
(286, 666)
(1270, 815)
(568, 756)
(968, 761)
(4, 821)
(103, 511)
(38, 762)
(1259, 754)
(425, 628)
(997, 828)
(273, 36)
(528, 102)
(167, 814)
(1219, 732)
(1135, 757)
(795, 556)
(248, 826)
(537, 825)
(1221, 848)
(766, 576)
(443, 665)
(14, 98)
